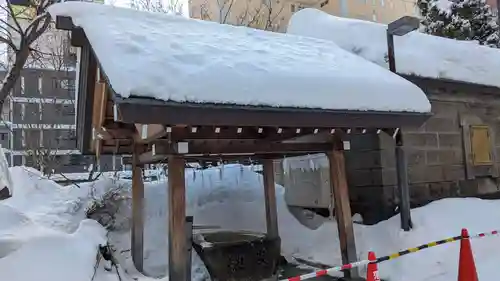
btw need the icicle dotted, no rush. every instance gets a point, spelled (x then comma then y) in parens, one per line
(285, 166)
(202, 178)
(194, 175)
(221, 171)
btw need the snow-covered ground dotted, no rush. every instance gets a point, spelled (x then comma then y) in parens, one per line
(44, 234)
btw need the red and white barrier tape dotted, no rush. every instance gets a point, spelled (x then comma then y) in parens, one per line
(484, 234)
(327, 271)
(365, 262)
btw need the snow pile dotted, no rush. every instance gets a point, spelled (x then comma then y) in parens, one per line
(207, 62)
(5, 179)
(32, 251)
(54, 256)
(230, 197)
(416, 53)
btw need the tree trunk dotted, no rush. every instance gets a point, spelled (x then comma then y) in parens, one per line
(13, 74)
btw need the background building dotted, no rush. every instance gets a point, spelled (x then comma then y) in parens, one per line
(257, 12)
(40, 111)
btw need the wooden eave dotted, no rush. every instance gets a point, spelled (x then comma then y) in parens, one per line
(151, 111)
(210, 129)
(449, 85)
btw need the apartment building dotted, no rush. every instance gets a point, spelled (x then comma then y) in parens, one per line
(42, 123)
(41, 109)
(256, 12)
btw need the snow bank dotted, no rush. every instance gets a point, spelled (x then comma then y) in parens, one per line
(32, 250)
(416, 53)
(172, 58)
(5, 179)
(232, 198)
(56, 257)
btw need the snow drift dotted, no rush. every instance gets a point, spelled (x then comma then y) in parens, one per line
(5, 179)
(231, 197)
(416, 53)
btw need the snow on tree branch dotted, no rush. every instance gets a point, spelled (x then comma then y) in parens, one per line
(470, 20)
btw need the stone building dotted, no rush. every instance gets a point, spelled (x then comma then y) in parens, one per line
(454, 154)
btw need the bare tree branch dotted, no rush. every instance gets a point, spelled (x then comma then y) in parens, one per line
(19, 40)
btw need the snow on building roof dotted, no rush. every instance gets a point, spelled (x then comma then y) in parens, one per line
(416, 53)
(184, 60)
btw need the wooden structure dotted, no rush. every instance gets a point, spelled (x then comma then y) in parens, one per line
(156, 131)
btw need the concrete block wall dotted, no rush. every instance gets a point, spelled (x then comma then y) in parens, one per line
(438, 158)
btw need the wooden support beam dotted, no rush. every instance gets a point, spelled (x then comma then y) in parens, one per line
(342, 205)
(137, 243)
(403, 188)
(237, 133)
(239, 147)
(177, 219)
(270, 198)
(149, 132)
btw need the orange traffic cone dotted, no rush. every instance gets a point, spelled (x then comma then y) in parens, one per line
(372, 272)
(466, 266)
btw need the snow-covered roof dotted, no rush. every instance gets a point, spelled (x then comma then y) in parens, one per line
(184, 60)
(416, 53)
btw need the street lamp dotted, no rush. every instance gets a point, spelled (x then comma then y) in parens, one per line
(401, 27)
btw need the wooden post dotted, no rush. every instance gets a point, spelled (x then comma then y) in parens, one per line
(343, 215)
(403, 188)
(177, 219)
(137, 237)
(270, 198)
(189, 248)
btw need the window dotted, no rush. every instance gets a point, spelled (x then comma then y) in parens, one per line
(40, 111)
(22, 85)
(23, 138)
(3, 136)
(23, 111)
(481, 145)
(40, 86)
(41, 138)
(68, 110)
(76, 160)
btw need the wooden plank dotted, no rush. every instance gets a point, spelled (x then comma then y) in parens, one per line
(176, 219)
(270, 198)
(150, 132)
(99, 111)
(215, 148)
(189, 243)
(137, 238)
(147, 111)
(402, 180)
(342, 205)
(467, 149)
(481, 145)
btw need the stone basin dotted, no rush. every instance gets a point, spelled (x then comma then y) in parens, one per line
(238, 255)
